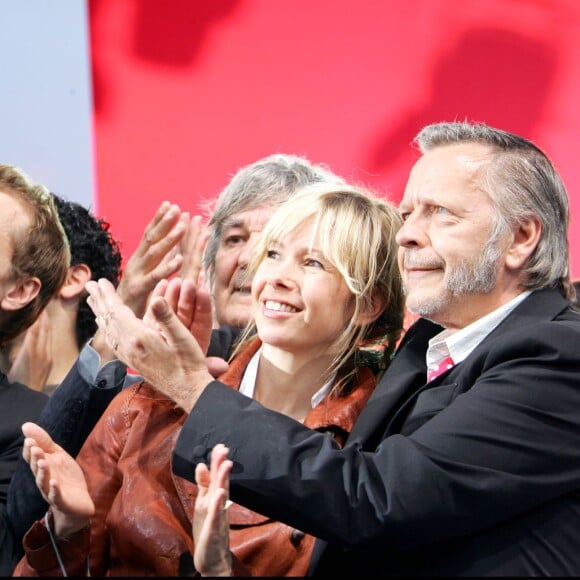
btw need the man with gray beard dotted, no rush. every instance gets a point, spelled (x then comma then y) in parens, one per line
(466, 459)
(468, 276)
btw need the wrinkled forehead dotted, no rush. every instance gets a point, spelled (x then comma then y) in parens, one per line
(252, 220)
(445, 172)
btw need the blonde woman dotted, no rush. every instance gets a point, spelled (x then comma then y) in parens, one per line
(328, 309)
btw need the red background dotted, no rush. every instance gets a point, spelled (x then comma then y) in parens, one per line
(187, 91)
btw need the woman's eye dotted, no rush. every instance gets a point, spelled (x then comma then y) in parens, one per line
(314, 263)
(272, 254)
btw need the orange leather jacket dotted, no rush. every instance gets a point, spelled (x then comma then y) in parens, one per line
(142, 525)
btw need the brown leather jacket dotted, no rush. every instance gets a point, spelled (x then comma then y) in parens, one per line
(142, 525)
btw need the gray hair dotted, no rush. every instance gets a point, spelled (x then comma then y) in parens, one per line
(267, 182)
(521, 182)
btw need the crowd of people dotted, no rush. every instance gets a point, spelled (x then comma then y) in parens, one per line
(280, 417)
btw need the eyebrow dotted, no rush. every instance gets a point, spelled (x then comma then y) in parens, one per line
(230, 223)
(307, 249)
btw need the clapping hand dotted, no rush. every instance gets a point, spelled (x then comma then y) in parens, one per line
(59, 478)
(168, 346)
(211, 530)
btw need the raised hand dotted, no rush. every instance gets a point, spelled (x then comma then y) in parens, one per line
(211, 530)
(160, 347)
(181, 297)
(156, 257)
(180, 294)
(192, 246)
(59, 478)
(33, 361)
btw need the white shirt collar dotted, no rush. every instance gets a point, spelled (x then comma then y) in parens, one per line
(248, 383)
(459, 344)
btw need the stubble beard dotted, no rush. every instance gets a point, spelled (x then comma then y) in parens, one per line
(468, 277)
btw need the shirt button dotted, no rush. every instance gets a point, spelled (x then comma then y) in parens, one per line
(296, 537)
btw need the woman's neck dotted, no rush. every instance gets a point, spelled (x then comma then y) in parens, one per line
(286, 383)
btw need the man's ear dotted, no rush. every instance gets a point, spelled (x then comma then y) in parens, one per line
(524, 243)
(76, 278)
(21, 294)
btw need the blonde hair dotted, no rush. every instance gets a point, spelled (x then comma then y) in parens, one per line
(356, 231)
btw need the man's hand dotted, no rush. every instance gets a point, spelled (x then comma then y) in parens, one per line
(192, 246)
(161, 347)
(159, 255)
(156, 257)
(33, 362)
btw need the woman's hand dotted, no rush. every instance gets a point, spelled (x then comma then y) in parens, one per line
(211, 530)
(162, 347)
(60, 479)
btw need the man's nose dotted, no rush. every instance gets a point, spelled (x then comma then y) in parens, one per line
(411, 233)
(247, 250)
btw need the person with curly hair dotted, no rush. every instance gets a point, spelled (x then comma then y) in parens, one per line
(54, 342)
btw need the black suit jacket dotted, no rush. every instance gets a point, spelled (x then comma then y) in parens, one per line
(18, 404)
(474, 474)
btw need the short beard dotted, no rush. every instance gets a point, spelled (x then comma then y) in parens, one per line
(476, 276)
